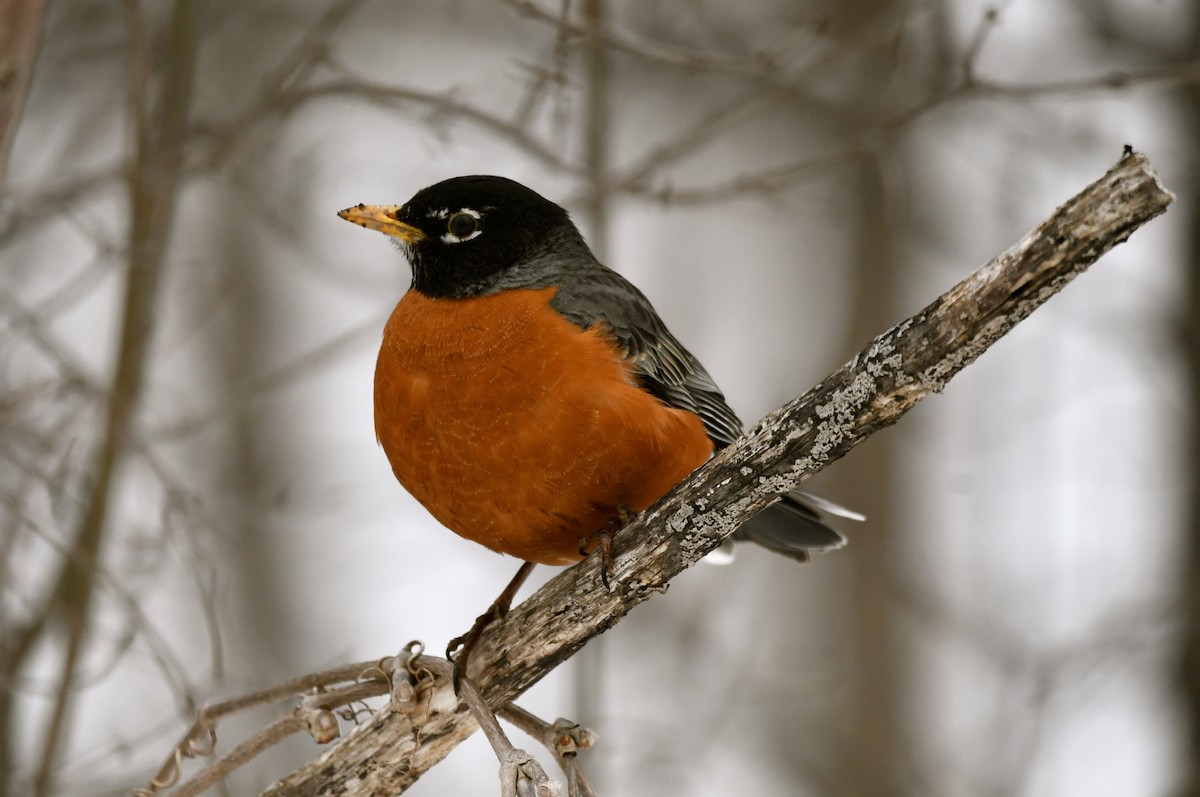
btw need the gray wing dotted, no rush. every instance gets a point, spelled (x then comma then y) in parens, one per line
(663, 366)
(595, 294)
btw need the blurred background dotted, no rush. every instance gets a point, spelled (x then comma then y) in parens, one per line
(193, 505)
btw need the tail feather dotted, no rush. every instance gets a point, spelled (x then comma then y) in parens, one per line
(795, 526)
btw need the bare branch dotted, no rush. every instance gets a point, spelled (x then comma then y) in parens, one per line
(438, 104)
(987, 24)
(763, 183)
(299, 366)
(406, 677)
(386, 753)
(760, 65)
(154, 183)
(552, 77)
(20, 32)
(563, 738)
(975, 87)
(517, 767)
(706, 129)
(365, 679)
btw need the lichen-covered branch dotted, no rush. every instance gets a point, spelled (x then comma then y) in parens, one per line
(391, 749)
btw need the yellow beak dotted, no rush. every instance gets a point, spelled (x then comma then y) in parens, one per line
(382, 218)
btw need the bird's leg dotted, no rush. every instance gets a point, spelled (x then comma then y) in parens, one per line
(465, 644)
(603, 539)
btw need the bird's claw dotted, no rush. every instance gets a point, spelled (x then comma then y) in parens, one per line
(602, 540)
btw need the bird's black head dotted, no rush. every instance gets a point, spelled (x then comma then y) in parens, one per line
(473, 236)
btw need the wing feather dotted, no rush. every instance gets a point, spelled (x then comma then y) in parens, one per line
(599, 295)
(595, 294)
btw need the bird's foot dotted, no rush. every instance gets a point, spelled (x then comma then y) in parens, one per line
(460, 648)
(602, 540)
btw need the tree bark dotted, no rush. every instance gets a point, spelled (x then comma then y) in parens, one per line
(390, 750)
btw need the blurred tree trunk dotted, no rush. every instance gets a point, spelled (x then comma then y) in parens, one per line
(159, 102)
(1112, 33)
(597, 120)
(20, 35)
(256, 456)
(1190, 480)
(259, 626)
(868, 762)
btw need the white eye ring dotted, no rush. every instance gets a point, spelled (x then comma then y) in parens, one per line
(477, 230)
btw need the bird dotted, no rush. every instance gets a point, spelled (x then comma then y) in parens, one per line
(530, 397)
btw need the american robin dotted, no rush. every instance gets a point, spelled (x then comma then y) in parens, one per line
(527, 395)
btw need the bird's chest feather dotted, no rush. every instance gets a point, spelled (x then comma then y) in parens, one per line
(468, 374)
(517, 429)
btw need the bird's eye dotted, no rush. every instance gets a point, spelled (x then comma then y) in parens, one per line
(463, 225)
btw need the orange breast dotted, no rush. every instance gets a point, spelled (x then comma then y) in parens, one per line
(518, 430)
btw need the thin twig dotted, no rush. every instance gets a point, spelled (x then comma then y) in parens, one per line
(710, 126)
(20, 33)
(563, 738)
(756, 65)
(366, 679)
(545, 79)
(222, 135)
(303, 364)
(987, 24)
(159, 132)
(271, 735)
(363, 680)
(766, 182)
(982, 88)
(518, 769)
